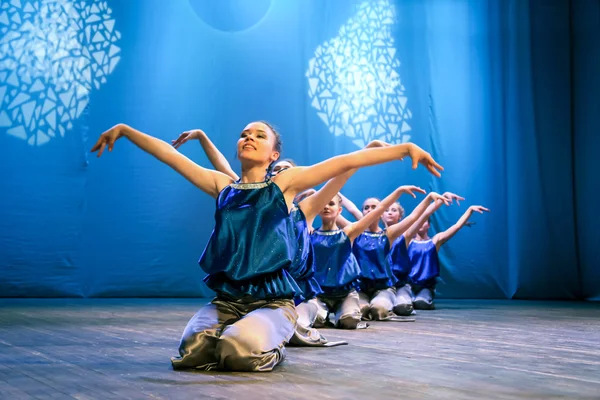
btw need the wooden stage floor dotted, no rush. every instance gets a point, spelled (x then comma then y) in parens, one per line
(120, 348)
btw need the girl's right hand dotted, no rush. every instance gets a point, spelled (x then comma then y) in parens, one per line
(108, 138)
(438, 197)
(185, 136)
(409, 189)
(420, 156)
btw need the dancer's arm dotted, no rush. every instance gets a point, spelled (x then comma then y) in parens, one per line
(216, 158)
(298, 179)
(312, 205)
(356, 228)
(410, 233)
(209, 181)
(351, 207)
(394, 231)
(443, 237)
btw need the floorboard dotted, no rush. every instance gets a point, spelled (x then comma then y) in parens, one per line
(120, 348)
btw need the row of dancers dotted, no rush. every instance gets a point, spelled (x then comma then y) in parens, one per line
(276, 278)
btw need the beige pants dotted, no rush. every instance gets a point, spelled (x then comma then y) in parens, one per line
(346, 310)
(377, 305)
(235, 336)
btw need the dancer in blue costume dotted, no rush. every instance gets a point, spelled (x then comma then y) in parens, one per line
(422, 252)
(303, 213)
(377, 289)
(337, 269)
(247, 325)
(398, 256)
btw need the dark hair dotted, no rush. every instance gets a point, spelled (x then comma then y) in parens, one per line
(277, 147)
(339, 198)
(278, 143)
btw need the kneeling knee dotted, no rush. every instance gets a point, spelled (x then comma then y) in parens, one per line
(403, 309)
(237, 351)
(349, 322)
(379, 313)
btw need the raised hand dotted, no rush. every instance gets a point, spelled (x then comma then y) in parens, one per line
(409, 189)
(471, 210)
(108, 138)
(420, 156)
(479, 209)
(451, 197)
(188, 135)
(435, 197)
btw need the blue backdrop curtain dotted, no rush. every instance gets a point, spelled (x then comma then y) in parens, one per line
(503, 93)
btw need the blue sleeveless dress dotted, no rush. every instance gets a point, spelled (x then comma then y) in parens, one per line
(247, 257)
(303, 269)
(336, 269)
(425, 264)
(399, 261)
(371, 250)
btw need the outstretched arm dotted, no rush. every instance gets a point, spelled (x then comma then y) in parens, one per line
(410, 233)
(298, 179)
(351, 207)
(356, 228)
(443, 237)
(314, 204)
(394, 231)
(209, 181)
(216, 158)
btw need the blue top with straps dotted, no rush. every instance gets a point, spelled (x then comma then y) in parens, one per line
(400, 261)
(424, 261)
(336, 268)
(303, 269)
(371, 250)
(247, 257)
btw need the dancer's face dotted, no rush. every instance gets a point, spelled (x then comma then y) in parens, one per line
(424, 228)
(392, 215)
(281, 165)
(369, 205)
(257, 143)
(331, 210)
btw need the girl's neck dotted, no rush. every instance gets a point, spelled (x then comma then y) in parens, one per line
(254, 173)
(422, 236)
(328, 225)
(375, 227)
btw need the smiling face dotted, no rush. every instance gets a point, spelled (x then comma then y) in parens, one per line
(258, 144)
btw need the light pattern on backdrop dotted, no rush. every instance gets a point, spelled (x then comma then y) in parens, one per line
(52, 54)
(354, 82)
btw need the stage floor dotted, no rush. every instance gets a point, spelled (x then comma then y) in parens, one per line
(120, 348)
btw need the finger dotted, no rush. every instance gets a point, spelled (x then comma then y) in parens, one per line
(415, 163)
(420, 190)
(412, 194)
(101, 149)
(435, 164)
(435, 172)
